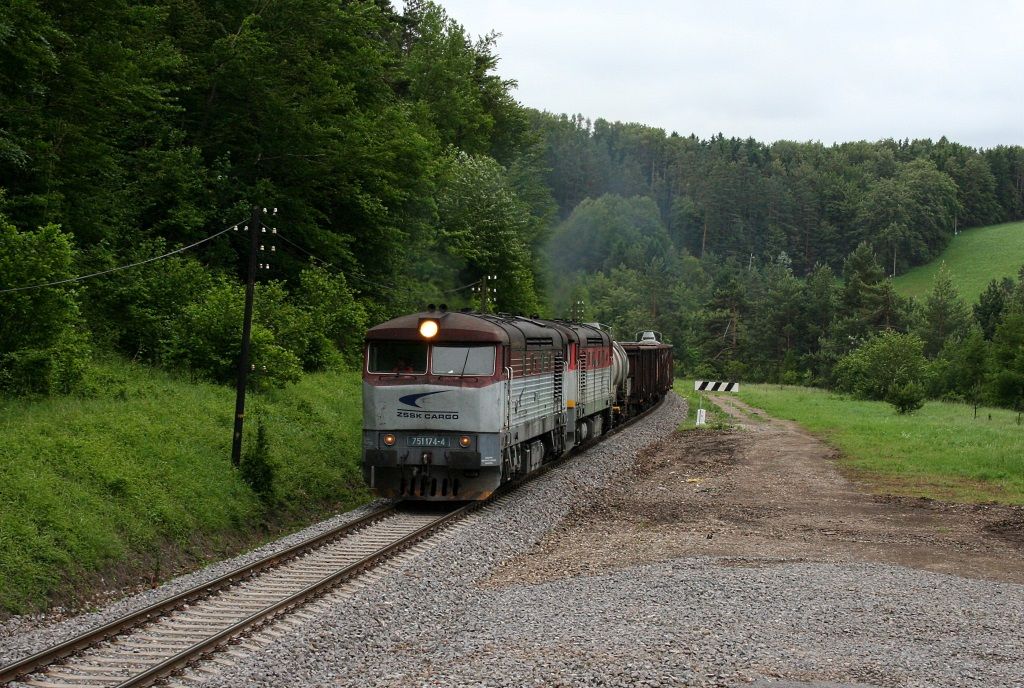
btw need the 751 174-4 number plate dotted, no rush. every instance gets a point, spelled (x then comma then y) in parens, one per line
(428, 441)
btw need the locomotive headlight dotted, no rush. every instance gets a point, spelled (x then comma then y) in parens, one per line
(389, 439)
(464, 441)
(428, 328)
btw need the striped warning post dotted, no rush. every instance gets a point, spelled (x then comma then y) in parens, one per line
(712, 386)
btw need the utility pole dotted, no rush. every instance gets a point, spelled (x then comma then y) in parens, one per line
(256, 231)
(488, 294)
(577, 310)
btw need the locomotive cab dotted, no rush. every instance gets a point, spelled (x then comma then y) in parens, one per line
(432, 407)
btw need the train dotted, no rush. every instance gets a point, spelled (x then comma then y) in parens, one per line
(458, 403)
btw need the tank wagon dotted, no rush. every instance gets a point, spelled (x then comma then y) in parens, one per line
(457, 403)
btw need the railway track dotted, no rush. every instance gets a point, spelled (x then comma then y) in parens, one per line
(151, 644)
(155, 642)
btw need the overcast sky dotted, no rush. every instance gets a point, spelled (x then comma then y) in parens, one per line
(826, 71)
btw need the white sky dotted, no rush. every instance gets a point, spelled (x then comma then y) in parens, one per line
(827, 71)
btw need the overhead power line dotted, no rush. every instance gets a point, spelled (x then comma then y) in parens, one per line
(120, 267)
(464, 286)
(306, 251)
(350, 278)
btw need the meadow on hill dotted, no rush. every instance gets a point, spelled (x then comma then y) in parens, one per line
(974, 257)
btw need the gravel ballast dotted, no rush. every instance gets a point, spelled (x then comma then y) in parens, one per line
(437, 620)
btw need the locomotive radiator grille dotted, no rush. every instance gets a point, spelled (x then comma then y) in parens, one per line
(532, 398)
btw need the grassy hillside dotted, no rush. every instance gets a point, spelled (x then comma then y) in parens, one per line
(941, 451)
(136, 477)
(974, 257)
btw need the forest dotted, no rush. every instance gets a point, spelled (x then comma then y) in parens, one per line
(404, 170)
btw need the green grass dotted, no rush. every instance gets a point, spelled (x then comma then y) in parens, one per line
(941, 451)
(717, 419)
(139, 470)
(974, 257)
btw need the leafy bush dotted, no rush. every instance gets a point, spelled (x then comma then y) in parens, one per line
(885, 362)
(291, 332)
(42, 347)
(290, 324)
(335, 313)
(132, 311)
(906, 398)
(206, 338)
(255, 468)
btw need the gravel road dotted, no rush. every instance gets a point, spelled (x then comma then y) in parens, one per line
(483, 607)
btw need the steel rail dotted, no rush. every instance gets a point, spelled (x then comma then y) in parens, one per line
(97, 635)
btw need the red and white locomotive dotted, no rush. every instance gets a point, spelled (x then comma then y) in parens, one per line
(457, 403)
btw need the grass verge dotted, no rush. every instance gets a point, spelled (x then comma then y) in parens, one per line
(974, 257)
(941, 451)
(116, 486)
(717, 419)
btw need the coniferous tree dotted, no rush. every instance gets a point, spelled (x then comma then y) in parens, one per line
(946, 317)
(990, 309)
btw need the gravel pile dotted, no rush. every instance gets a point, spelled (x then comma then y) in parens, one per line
(21, 636)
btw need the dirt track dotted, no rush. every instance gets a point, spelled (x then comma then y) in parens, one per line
(767, 493)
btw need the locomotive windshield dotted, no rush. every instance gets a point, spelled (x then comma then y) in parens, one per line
(462, 359)
(397, 357)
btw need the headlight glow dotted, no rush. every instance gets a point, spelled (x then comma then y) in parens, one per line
(428, 328)
(464, 441)
(389, 439)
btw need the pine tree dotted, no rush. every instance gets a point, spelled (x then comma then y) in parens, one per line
(990, 309)
(945, 314)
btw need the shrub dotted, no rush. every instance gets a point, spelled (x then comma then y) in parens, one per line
(335, 314)
(42, 346)
(906, 398)
(133, 310)
(256, 469)
(792, 377)
(206, 338)
(888, 360)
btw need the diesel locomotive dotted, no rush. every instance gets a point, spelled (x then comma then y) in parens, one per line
(457, 403)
